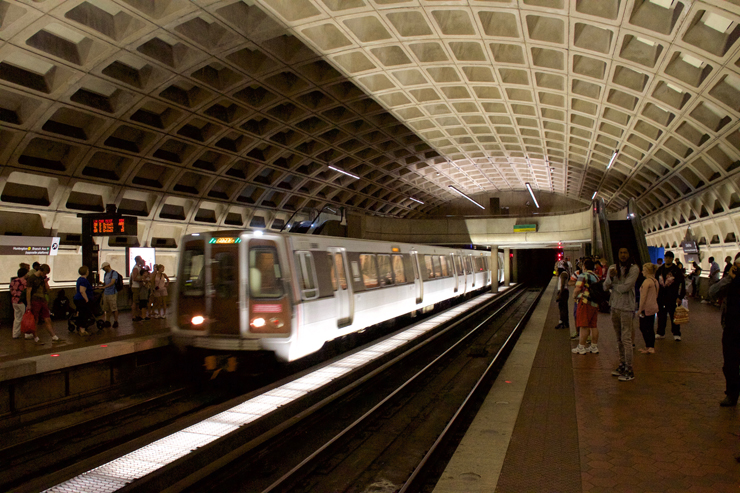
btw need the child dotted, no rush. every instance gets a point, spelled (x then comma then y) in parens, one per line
(144, 292)
(60, 310)
(562, 299)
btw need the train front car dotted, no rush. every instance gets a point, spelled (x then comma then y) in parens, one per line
(233, 297)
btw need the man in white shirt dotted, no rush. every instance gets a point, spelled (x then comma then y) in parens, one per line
(714, 271)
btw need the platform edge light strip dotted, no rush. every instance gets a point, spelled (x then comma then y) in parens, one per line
(116, 474)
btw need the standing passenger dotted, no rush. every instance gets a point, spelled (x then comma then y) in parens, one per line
(36, 292)
(135, 281)
(587, 314)
(83, 301)
(713, 278)
(110, 296)
(728, 266)
(729, 287)
(17, 287)
(648, 307)
(562, 297)
(160, 282)
(671, 294)
(621, 280)
(144, 292)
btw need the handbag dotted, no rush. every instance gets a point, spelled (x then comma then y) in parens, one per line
(28, 323)
(681, 316)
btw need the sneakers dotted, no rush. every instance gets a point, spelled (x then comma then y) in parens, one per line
(29, 336)
(619, 371)
(728, 402)
(115, 325)
(658, 336)
(55, 339)
(580, 350)
(594, 349)
(626, 376)
(676, 338)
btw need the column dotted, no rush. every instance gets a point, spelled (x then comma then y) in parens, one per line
(494, 269)
(507, 266)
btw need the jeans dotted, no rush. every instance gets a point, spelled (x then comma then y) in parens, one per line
(647, 327)
(666, 311)
(18, 310)
(622, 322)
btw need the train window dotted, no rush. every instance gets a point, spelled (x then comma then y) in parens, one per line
(468, 265)
(428, 264)
(192, 278)
(340, 269)
(385, 274)
(485, 263)
(443, 263)
(437, 266)
(224, 273)
(398, 272)
(264, 273)
(479, 263)
(458, 265)
(307, 274)
(355, 271)
(369, 270)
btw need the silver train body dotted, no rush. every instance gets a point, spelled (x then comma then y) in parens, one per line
(289, 294)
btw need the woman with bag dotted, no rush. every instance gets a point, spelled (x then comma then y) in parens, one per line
(82, 297)
(648, 307)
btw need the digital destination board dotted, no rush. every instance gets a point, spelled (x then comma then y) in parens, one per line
(114, 226)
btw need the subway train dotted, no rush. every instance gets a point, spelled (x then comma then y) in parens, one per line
(288, 294)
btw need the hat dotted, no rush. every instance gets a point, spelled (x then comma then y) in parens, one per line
(105, 264)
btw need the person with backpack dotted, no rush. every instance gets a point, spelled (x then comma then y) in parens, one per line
(587, 311)
(620, 280)
(112, 283)
(671, 294)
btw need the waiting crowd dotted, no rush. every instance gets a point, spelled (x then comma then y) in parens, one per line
(29, 292)
(626, 290)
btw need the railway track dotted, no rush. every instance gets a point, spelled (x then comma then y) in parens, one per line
(413, 390)
(391, 434)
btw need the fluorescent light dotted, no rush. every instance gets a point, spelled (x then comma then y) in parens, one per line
(531, 193)
(345, 172)
(611, 161)
(473, 201)
(594, 195)
(416, 200)
(257, 232)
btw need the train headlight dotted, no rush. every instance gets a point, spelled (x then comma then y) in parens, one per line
(276, 322)
(257, 323)
(197, 320)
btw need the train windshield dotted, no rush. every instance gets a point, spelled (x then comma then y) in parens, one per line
(192, 274)
(264, 273)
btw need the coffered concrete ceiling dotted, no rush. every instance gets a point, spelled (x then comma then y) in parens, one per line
(176, 107)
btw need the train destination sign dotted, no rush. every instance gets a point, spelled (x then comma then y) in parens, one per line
(114, 226)
(29, 245)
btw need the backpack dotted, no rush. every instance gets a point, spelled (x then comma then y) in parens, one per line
(596, 292)
(119, 282)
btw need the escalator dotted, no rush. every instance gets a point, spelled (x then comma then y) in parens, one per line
(609, 235)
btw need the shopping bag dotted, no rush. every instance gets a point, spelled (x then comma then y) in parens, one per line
(681, 316)
(28, 323)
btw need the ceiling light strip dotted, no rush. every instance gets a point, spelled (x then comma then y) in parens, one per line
(611, 161)
(339, 170)
(116, 474)
(531, 193)
(416, 200)
(473, 201)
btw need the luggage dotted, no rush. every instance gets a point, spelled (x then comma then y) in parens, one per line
(28, 323)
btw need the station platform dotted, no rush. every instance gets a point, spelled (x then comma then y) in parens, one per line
(23, 357)
(556, 421)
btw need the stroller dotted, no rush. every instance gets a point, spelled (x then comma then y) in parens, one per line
(94, 313)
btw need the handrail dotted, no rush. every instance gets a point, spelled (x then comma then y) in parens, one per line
(634, 216)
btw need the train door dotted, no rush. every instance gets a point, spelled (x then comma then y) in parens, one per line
(470, 269)
(270, 309)
(460, 274)
(223, 287)
(417, 277)
(342, 289)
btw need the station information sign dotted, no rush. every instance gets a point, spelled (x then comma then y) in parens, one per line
(114, 226)
(29, 245)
